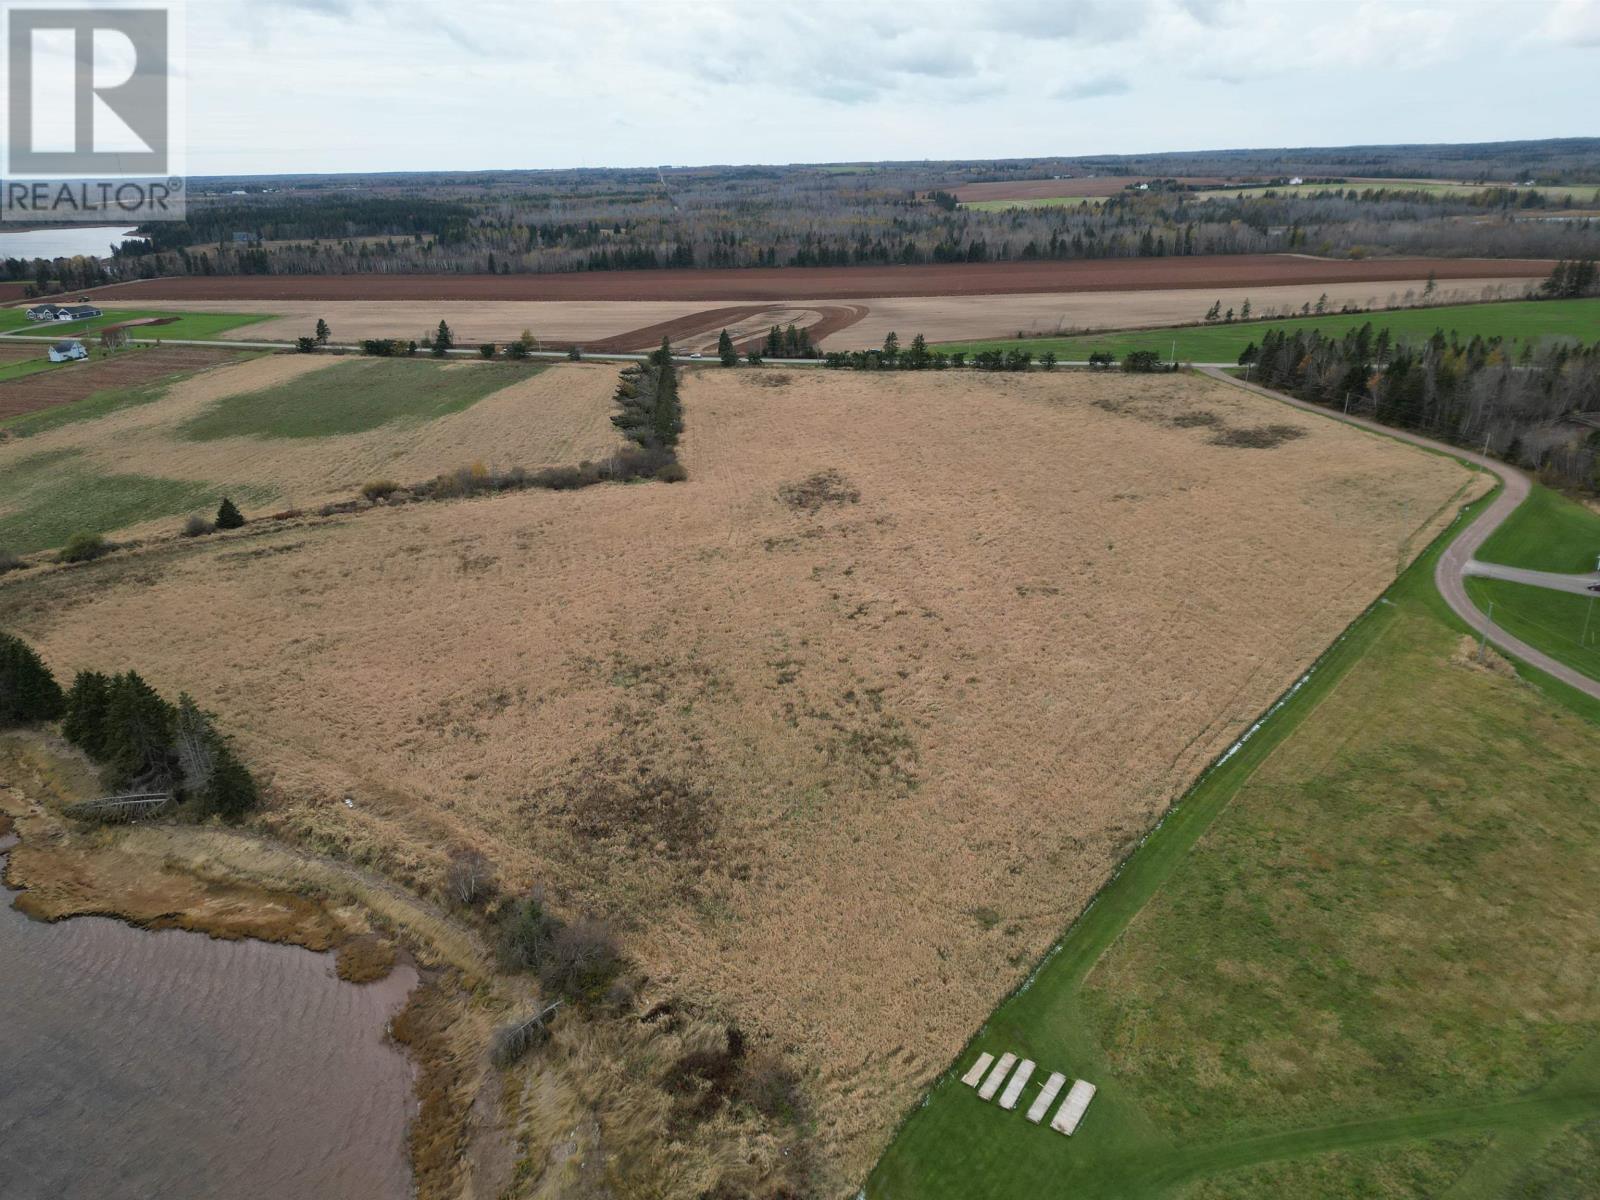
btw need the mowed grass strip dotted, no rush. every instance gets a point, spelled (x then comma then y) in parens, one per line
(1547, 532)
(1348, 963)
(1516, 320)
(48, 497)
(353, 397)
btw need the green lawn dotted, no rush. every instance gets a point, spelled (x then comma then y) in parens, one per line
(26, 367)
(186, 327)
(1565, 625)
(353, 396)
(1352, 961)
(48, 497)
(1522, 320)
(1032, 202)
(1548, 532)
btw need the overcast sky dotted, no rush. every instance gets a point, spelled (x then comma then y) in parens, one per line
(347, 85)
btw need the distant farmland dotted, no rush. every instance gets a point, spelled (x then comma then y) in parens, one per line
(1520, 320)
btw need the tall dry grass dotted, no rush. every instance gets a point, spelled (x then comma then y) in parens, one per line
(841, 772)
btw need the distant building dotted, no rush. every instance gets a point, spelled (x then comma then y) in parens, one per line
(73, 312)
(67, 351)
(246, 239)
(1296, 181)
(43, 312)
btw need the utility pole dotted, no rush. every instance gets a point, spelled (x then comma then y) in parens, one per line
(1347, 404)
(1584, 641)
(1484, 641)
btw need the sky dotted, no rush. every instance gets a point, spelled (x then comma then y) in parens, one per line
(289, 86)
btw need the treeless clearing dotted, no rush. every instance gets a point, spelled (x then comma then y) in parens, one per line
(557, 416)
(1078, 185)
(833, 283)
(844, 730)
(621, 326)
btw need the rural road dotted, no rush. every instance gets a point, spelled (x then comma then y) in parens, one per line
(1579, 584)
(1457, 561)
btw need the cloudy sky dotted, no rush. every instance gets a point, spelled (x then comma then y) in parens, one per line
(344, 85)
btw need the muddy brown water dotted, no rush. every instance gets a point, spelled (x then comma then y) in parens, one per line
(137, 1065)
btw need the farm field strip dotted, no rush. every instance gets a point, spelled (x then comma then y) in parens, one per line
(605, 326)
(293, 431)
(1527, 321)
(885, 616)
(833, 283)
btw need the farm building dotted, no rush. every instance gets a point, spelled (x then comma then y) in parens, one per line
(67, 351)
(63, 312)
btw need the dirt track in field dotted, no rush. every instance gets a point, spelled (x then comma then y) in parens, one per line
(131, 367)
(835, 283)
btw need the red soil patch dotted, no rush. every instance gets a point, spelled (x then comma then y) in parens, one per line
(1094, 185)
(837, 283)
(34, 392)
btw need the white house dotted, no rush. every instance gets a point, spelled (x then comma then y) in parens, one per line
(78, 312)
(43, 312)
(1296, 181)
(67, 351)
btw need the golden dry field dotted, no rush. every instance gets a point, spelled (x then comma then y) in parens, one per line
(842, 732)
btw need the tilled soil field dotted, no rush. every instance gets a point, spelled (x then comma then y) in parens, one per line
(34, 392)
(834, 283)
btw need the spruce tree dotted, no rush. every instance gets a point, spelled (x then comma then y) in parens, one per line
(88, 711)
(228, 515)
(138, 736)
(443, 340)
(726, 352)
(28, 691)
(323, 332)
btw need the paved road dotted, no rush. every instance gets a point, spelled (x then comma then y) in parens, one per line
(1580, 584)
(1457, 562)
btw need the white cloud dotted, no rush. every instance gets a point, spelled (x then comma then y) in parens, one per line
(366, 84)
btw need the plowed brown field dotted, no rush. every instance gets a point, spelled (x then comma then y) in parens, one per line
(128, 368)
(834, 283)
(842, 756)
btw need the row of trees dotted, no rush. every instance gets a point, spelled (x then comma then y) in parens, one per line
(1570, 280)
(649, 411)
(141, 742)
(1479, 392)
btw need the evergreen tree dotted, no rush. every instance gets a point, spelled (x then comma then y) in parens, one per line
(228, 515)
(725, 350)
(891, 345)
(443, 340)
(138, 739)
(28, 691)
(323, 332)
(88, 713)
(210, 776)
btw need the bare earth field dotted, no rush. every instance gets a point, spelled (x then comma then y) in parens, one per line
(841, 753)
(80, 381)
(836, 283)
(624, 325)
(559, 415)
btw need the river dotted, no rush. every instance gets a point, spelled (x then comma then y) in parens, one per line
(64, 241)
(137, 1065)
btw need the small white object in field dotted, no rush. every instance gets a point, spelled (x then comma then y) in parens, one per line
(997, 1076)
(1008, 1098)
(1072, 1108)
(975, 1072)
(1051, 1089)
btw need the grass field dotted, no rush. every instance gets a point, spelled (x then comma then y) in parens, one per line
(938, 650)
(1347, 964)
(1548, 532)
(1032, 202)
(1520, 320)
(286, 428)
(27, 366)
(1564, 625)
(180, 325)
(50, 496)
(355, 396)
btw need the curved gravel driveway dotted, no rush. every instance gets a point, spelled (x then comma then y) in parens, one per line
(1457, 561)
